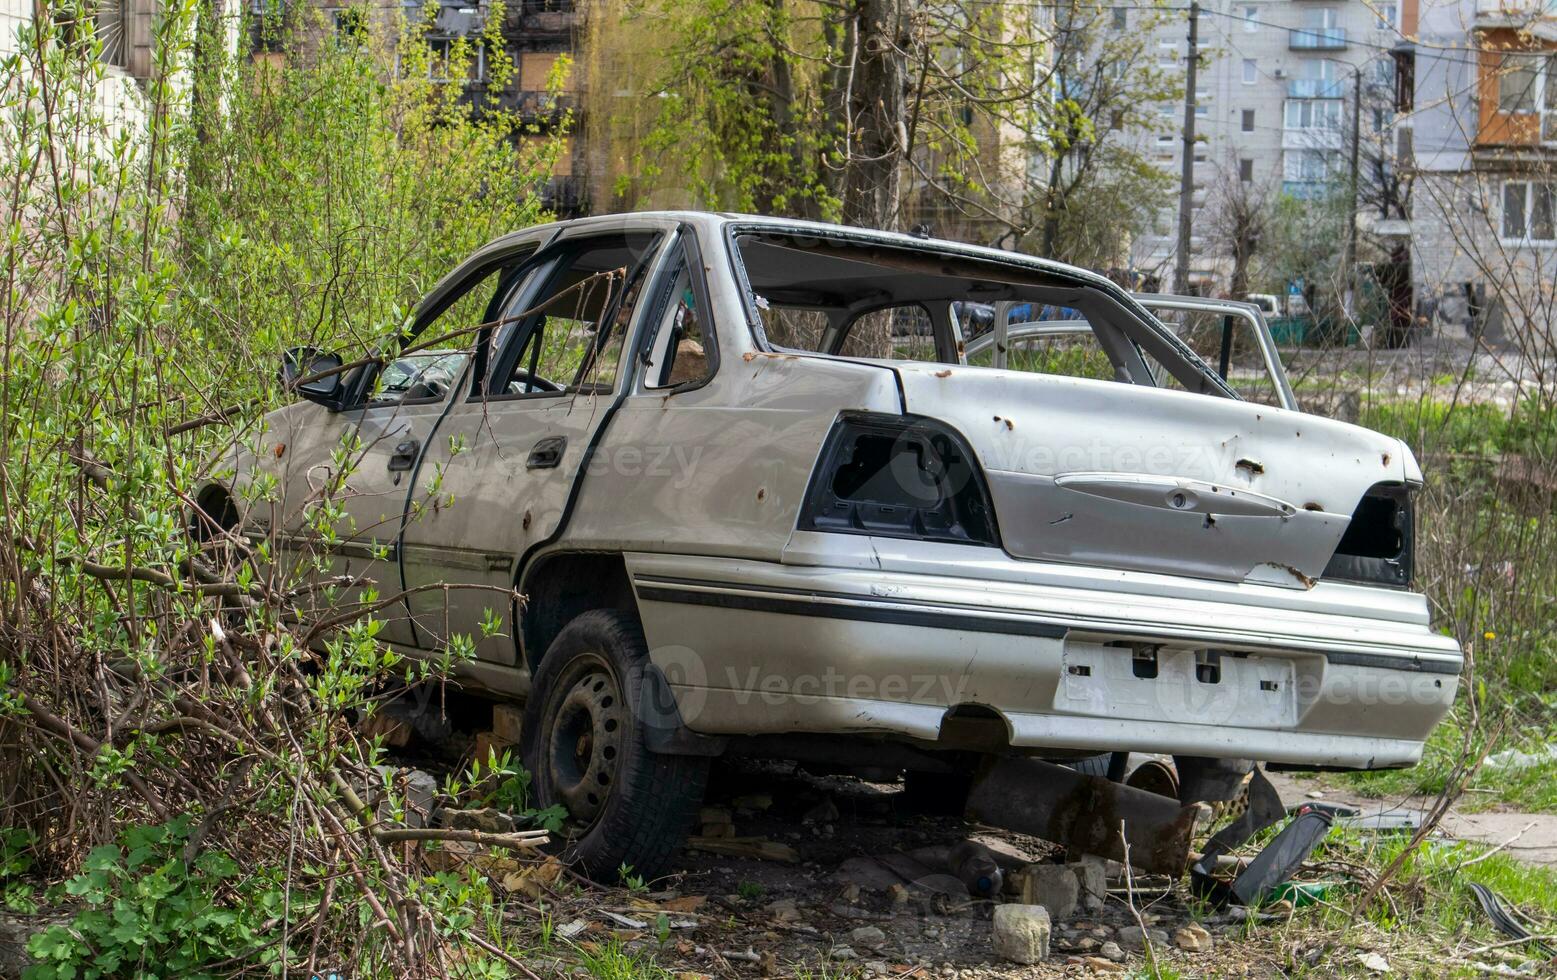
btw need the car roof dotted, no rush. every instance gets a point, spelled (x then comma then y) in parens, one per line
(723, 219)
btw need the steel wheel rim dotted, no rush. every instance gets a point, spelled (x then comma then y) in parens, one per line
(584, 747)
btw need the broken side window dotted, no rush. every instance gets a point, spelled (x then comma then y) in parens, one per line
(813, 292)
(1229, 344)
(567, 335)
(428, 375)
(1047, 340)
(682, 352)
(904, 332)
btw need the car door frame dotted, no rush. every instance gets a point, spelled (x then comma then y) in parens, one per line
(667, 232)
(1239, 310)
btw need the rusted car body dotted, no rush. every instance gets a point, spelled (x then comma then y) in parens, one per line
(758, 455)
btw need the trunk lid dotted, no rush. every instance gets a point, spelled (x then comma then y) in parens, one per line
(1133, 477)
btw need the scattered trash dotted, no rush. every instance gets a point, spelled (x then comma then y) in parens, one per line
(1503, 919)
(570, 929)
(1306, 893)
(758, 848)
(974, 865)
(1374, 962)
(1514, 759)
(1273, 865)
(1281, 857)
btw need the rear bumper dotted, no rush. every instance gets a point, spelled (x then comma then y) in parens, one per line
(862, 635)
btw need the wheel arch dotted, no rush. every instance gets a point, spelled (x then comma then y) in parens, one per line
(215, 511)
(558, 587)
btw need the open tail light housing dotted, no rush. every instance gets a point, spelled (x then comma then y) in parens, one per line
(1379, 545)
(900, 476)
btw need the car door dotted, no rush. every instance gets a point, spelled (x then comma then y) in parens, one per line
(496, 480)
(346, 475)
(1233, 338)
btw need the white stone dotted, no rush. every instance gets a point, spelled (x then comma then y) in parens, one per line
(1021, 933)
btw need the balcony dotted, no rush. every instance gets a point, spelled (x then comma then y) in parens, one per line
(1311, 138)
(1317, 39)
(1316, 88)
(1306, 190)
(1520, 11)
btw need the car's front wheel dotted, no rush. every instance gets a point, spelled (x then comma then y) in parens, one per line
(584, 747)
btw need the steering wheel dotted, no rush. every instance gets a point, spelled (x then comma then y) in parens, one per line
(520, 380)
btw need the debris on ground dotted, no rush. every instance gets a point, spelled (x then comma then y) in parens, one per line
(1021, 933)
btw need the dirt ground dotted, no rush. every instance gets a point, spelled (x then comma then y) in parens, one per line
(819, 915)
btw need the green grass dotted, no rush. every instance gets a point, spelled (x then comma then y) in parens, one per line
(611, 962)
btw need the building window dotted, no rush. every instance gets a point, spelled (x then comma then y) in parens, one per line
(448, 55)
(1165, 139)
(1121, 18)
(1306, 166)
(1526, 85)
(1251, 71)
(1246, 170)
(1528, 211)
(1313, 114)
(1251, 19)
(1388, 13)
(1248, 121)
(1518, 78)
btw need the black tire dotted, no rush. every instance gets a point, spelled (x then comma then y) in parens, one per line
(583, 745)
(1092, 765)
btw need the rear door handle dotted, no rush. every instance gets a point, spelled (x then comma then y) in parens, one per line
(547, 453)
(404, 456)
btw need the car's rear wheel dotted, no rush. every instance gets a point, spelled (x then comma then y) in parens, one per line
(584, 748)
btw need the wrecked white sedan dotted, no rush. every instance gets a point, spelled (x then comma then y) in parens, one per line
(761, 496)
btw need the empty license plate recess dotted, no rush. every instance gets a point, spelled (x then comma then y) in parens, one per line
(1157, 682)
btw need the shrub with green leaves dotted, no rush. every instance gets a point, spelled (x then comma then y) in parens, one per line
(178, 742)
(151, 908)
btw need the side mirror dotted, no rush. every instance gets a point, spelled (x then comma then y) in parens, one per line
(313, 374)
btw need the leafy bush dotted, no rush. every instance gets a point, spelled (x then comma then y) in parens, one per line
(151, 909)
(152, 681)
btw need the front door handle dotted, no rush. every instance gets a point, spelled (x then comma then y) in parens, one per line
(547, 453)
(404, 456)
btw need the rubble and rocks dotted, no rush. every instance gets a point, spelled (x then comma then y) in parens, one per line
(1112, 951)
(1193, 938)
(870, 936)
(1092, 881)
(487, 819)
(1053, 886)
(507, 722)
(1136, 937)
(1021, 933)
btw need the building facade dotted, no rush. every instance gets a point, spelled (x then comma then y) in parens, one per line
(1483, 128)
(1277, 84)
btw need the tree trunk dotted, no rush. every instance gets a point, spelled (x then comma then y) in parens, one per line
(876, 99)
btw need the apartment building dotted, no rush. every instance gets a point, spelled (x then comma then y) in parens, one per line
(1483, 130)
(1273, 104)
(125, 29)
(535, 34)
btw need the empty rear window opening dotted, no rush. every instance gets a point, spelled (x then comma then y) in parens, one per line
(1378, 544)
(861, 298)
(899, 480)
